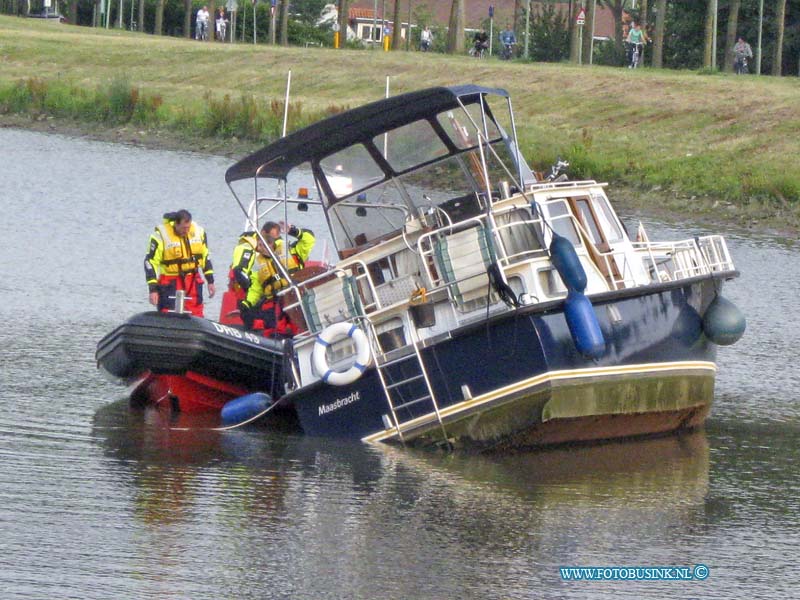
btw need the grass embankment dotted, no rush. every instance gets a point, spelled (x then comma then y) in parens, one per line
(734, 139)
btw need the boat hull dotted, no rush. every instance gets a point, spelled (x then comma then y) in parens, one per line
(519, 380)
(195, 364)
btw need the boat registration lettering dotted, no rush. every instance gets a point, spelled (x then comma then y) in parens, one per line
(339, 403)
(232, 331)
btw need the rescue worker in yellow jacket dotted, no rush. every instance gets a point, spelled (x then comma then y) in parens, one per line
(244, 254)
(177, 259)
(266, 279)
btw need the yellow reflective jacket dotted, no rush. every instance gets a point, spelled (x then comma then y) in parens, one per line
(300, 248)
(265, 280)
(244, 255)
(170, 254)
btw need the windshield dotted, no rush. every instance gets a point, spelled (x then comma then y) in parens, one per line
(432, 163)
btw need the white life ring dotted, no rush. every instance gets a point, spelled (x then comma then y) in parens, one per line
(334, 333)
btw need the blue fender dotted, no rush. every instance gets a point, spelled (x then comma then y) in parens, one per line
(246, 407)
(567, 263)
(583, 325)
(723, 323)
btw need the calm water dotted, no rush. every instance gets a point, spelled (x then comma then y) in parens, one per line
(99, 502)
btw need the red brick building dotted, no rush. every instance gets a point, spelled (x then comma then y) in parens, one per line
(362, 14)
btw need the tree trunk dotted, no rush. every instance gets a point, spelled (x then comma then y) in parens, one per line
(708, 47)
(187, 17)
(158, 30)
(455, 32)
(730, 34)
(141, 14)
(574, 32)
(587, 31)
(73, 12)
(212, 20)
(616, 7)
(780, 19)
(658, 42)
(344, 18)
(396, 26)
(515, 16)
(284, 22)
(644, 9)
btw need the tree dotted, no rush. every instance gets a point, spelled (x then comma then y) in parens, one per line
(187, 17)
(642, 20)
(574, 36)
(588, 30)
(344, 18)
(708, 47)
(617, 7)
(455, 33)
(658, 42)
(73, 12)
(397, 26)
(159, 27)
(730, 33)
(780, 19)
(284, 22)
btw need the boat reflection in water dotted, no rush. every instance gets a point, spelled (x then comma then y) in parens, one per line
(282, 476)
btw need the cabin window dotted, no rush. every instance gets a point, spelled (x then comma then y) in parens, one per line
(588, 222)
(391, 334)
(369, 215)
(607, 220)
(519, 234)
(561, 220)
(551, 283)
(410, 145)
(350, 170)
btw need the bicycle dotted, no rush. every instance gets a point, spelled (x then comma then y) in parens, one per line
(740, 66)
(636, 56)
(202, 31)
(508, 51)
(478, 49)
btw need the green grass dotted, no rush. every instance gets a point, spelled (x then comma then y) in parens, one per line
(734, 138)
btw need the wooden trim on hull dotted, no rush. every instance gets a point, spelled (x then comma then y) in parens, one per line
(575, 405)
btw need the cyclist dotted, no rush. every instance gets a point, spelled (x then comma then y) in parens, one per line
(636, 40)
(741, 52)
(425, 39)
(480, 43)
(508, 39)
(201, 31)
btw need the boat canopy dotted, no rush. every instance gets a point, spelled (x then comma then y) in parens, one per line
(359, 125)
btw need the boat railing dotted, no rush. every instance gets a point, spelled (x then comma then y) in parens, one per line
(673, 261)
(560, 185)
(454, 258)
(335, 295)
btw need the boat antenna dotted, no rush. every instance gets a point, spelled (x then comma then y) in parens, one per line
(386, 135)
(285, 182)
(286, 102)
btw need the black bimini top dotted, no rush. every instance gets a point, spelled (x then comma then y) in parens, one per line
(335, 133)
